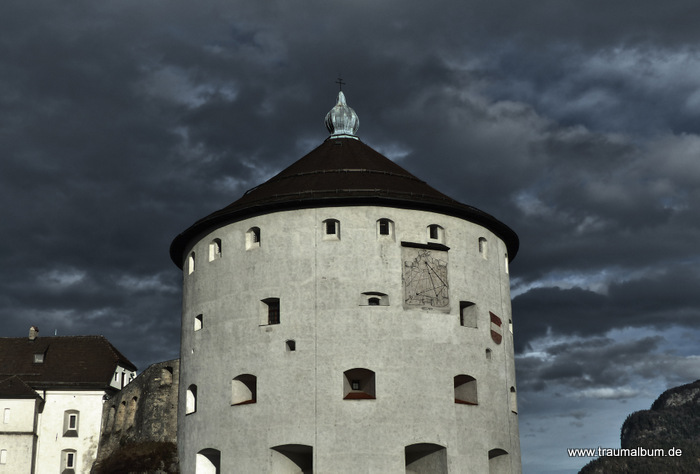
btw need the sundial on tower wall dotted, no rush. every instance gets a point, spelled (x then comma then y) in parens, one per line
(425, 276)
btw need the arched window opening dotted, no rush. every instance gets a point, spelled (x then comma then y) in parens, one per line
(68, 461)
(166, 376)
(465, 390)
(506, 264)
(3, 456)
(292, 459)
(436, 233)
(374, 298)
(272, 310)
(191, 400)
(467, 314)
(208, 461)
(214, 249)
(425, 458)
(499, 462)
(190, 264)
(133, 406)
(121, 414)
(359, 384)
(198, 321)
(385, 229)
(70, 423)
(252, 238)
(488, 354)
(109, 424)
(483, 247)
(244, 389)
(331, 229)
(513, 400)
(510, 325)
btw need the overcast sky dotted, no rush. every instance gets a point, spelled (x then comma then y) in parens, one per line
(576, 123)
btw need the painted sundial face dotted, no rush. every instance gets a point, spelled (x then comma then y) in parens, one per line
(425, 278)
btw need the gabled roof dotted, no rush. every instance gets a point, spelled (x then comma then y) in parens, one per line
(342, 171)
(68, 361)
(14, 387)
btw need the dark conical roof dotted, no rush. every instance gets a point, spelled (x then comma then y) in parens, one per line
(342, 171)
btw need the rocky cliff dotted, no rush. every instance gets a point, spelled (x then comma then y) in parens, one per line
(672, 424)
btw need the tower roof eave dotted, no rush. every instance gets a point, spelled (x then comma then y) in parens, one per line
(341, 172)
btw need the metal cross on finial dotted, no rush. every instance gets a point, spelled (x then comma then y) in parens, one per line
(340, 83)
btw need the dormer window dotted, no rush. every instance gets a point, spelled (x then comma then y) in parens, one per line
(39, 358)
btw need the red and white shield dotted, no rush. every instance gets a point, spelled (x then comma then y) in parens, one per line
(496, 328)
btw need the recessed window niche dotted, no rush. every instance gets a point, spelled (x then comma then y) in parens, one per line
(436, 233)
(465, 390)
(385, 229)
(190, 264)
(467, 314)
(374, 298)
(244, 389)
(359, 384)
(252, 238)
(214, 249)
(331, 229)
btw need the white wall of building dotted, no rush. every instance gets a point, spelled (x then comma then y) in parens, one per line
(53, 440)
(16, 435)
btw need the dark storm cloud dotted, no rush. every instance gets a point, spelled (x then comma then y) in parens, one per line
(601, 367)
(669, 298)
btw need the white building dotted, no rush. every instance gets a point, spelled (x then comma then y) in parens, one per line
(51, 395)
(346, 317)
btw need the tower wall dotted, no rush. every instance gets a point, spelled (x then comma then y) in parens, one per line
(327, 285)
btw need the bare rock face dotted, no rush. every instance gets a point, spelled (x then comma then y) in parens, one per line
(672, 425)
(139, 424)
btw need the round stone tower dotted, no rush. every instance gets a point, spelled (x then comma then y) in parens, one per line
(346, 317)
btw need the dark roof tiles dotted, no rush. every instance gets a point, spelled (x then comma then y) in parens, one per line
(341, 172)
(14, 387)
(76, 361)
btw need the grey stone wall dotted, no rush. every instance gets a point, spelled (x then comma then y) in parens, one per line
(139, 423)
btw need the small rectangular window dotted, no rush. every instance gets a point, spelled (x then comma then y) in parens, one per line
(273, 310)
(383, 227)
(39, 358)
(331, 229)
(72, 422)
(433, 231)
(355, 385)
(3, 456)
(70, 460)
